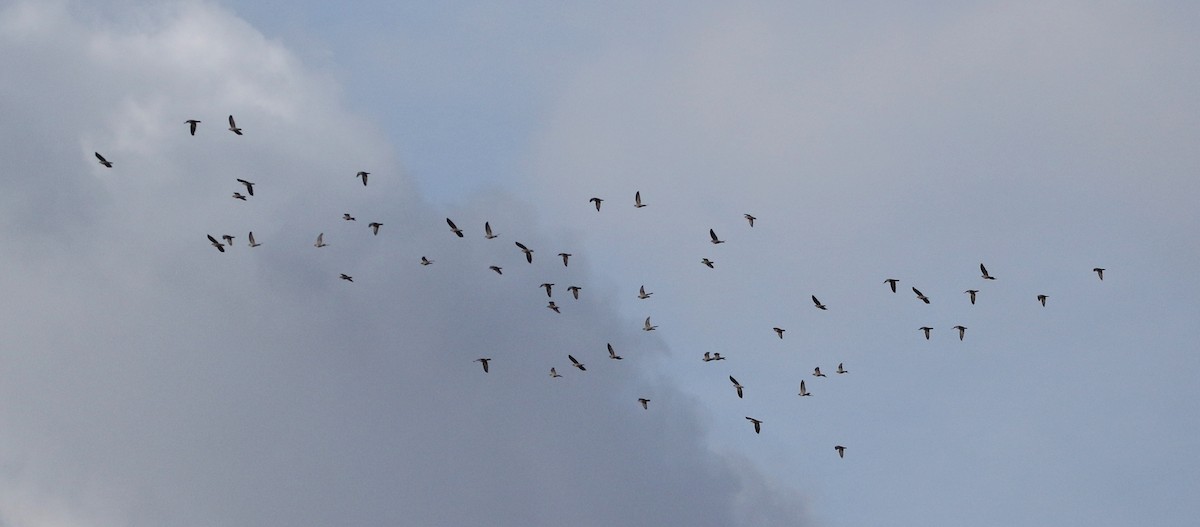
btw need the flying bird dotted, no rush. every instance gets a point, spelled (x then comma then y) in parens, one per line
(644, 402)
(1099, 272)
(597, 202)
(841, 450)
(717, 356)
(926, 329)
(233, 127)
(804, 391)
(346, 216)
(252, 242)
(487, 231)
(105, 162)
(320, 241)
(817, 372)
(750, 219)
(642, 294)
(707, 262)
(1042, 299)
(484, 362)
(712, 234)
(612, 354)
(986, 276)
(548, 286)
(891, 282)
(637, 200)
(554, 373)
(565, 256)
(707, 357)
(216, 243)
(238, 195)
(841, 370)
(779, 331)
(249, 186)
(363, 175)
(961, 331)
(553, 307)
(920, 296)
(528, 252)
(972, 292)
(818, 303)
(192, 125)
(454, 228)
(574, 291)
(576, 363)
(228, 239)
(375, 227)
(347, 277)
(495, 268)
(757, 424)
(648, 327)
(425, 261)
(736, 386)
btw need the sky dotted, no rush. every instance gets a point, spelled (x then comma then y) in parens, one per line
(149, 379)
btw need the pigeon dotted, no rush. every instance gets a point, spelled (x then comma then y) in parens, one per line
(642, 294)
(192, 125)
(495, 268)
(484, 362)
(216, 243)
(252, 242)
(972, 292)
(596, 201)
(528, 252)
(249, 186)
(841, 450)
(841, 370)
(105, 162)
(425, 261)
(891, 282)
(320, 241)
(707, 262)
(576, 363)
(1099, 272)
(363, 175)
(817, 372)
(804, 391)
(574, 291)
(347, 277)
(637, 200)
(228, 240)
(454, 228)
(757, 424)
(713, 235)
(920, 296)
(818, 303)
(238, 195)
(233, 127)
(1042, 299)
(736, 386)
(779, 331)
(612, 354)
(374, 226)
(554, 307)
(750, 219)
(961, 331)
(926, 329)
(548, 286)
(487, 231)
(564, 257)
(346, 216)
(554, 373)
(648, 327)
(986, 276)
(644, 402)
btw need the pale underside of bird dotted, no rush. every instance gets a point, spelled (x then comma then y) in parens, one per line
(554, 373)
(962, 330)
(707, 262)
(926, 329)
(238, 195)
(347, 277)
(425, 261)
(818, 303)
(548, 286)
(986, 276)
(891, 282)
(920, 296)
(842, 370)
(648, 327)
(750, 219)
(496, 268)
(216, 243)
(817, 372)
(757, 424)
(1099, 272)
(972, 292)
(320, 241)
(637, 200)
(596, 201)
(363, 175)
(713, 235)
(249, 186)
(374, 226)
(528, 252)
(565, 256)
(841, 450)
(485, 362)
(779, 331)
(348, 217)
(192, 125)
(105, 162)
(612, 354)
(644, 402)
(233, 127)
(1042, 299)
(574, 291)
(253, 243)
(454, 228)
(736, 386)
(487, 230)
(553, 307)
(642, 294)
(804, 391)
(576, 363)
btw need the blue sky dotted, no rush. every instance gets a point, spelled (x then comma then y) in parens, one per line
(152, 380)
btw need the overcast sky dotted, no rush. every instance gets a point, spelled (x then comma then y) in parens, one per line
(148, 379)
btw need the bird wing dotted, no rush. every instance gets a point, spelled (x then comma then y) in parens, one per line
(100, 157)
(712, 234)
(451, 224)
(523, 248)
(573, 361)
(487, 228)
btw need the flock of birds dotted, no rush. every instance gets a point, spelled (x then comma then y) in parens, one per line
(226, 240)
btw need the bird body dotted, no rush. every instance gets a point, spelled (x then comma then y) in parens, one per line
(347, 277)
(842, 370)
(757, 424)
(192, 125)
(320, 241)
(1042, 299)
(233, 127)
(707, 262)
(926, 329)
(495, 268)
(612, 354)
(972, 292)
(920, 296)
(648, 327)
(717, 356)
(553, 307)
(238, 195)
(1099, 272)
(713, 235)
(736, 386)
(986, 276)
(565, 256)
(962, 331)
(487, 230)
(363, 175)
(228, 240)
(804, 391)
(817, 372)
(642, 294)
(548, 287)
(637, 200)
(841, 450)
(105, 162)
(818, 303)
(597, 202)
(576, 363)
(374, 226)
(348, 217)
(779, 331)
(425, 261)
(216, 243)
(249, 186)
(252, 242)
(528, 252)
(554, 373)
(891, 282)
(644, 402)
(574, 291)
(484, 362)
(454, 228)
(750, 219)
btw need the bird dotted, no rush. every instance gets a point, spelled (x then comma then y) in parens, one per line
(363, 175)
(216, 243)
(707, 357)
(1042, 299)
(105, 162)
(346, 216)
(750, 219)
(484, 362)
(818, 303)
(528, 252)
(637, 200)
(757, 424)
(648, 327)
(554, 373)
(252, 242)
(1099, 272)
(554, 307)
(926, 329)
(320, 241)
(425, 261)
(249, 186)
(374, 226)
(565, 256)
(972, 292)
(228, 239)
(891, 282)
(803, 390)
(841, 370)
(642, 294)
(548, 286)
(712, 234)
(612, 354)
(238, 195)
(347, 277)
(597, 202)
(192, 125)
(707, 262)
(495, 268)
(986, 276)
(454, 228)
(644, 402)
(817, 372)
(779, 331)
(841, 450)
(920, 296)
(487, 231)
(576, 363)
(233, 127)
(736, 386)
(717, 356)
(961, 331)
(574, 291)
